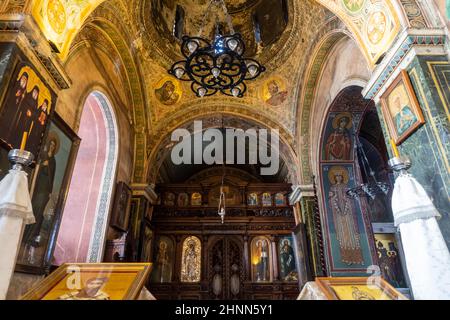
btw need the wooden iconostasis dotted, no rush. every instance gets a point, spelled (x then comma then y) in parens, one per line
(252, 255)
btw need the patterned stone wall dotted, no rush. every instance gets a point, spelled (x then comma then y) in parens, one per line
(428, 147)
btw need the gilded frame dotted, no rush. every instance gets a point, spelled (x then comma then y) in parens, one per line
(402, 79)
(45, 286)
(326, 285)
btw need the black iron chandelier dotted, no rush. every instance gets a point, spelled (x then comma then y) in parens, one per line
(218, 65)
(372, 187)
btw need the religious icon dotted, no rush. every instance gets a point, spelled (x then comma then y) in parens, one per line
(50, 181)
(147, 244)
(288, 270)
(162, 271)
(339, 143)
(196, 199)
(344, 217)
(169, 199)
(120, 216)
(280, 199)
(183, 200)
(92, 291)
(353, 6)
(26, 110)
(261, 259)
(376, 27)
(401, 108)
(168, 92)
(232, 196)
(43, 189)
(191, 260)
(358, 288)
(252, 199)
(389, 260)
(274, 92)
(92, 281)
(267, 199)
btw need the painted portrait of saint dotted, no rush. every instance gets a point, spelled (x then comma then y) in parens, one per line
(168, 92)
(191, 260)
(339, 142)
(252, 199)
(45, 181)
(353, 6)
(196, 199)
(401, 110)
(376, 27)
(275, 92)
(183, 200)
(261, 259)
(92, 291)
(26, 110)
(280, 199)
(288, 270)
(169, 199)
(162, 271)
(389, 260)
(344, 217)
(267, 199)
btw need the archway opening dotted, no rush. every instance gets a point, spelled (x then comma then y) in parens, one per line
(84, 221)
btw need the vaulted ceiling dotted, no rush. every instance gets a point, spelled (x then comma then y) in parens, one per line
(142, 37)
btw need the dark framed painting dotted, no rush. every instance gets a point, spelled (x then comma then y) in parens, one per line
(27, 106)
(120, 217)
(390, 259)
(401, 109)
(49, 187)
(288, 267)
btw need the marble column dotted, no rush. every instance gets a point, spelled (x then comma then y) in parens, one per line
(308, 233)
(422, 54)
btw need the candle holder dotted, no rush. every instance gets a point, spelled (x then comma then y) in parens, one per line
(20, 159)
(400, 164)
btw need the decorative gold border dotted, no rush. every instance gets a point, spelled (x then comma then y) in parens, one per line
(326, 283)
(402, 77)
(44, 286)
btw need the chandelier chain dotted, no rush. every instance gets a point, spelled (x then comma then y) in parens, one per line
(208, 11)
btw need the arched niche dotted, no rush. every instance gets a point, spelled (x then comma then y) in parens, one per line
(191, 260)
(85, 219)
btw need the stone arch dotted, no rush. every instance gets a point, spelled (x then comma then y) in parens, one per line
(159, 151)
(306, 138)
(106, 22)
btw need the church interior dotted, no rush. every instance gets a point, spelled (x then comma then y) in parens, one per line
(96, 96)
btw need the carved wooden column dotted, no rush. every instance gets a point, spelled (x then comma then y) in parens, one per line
(246, 259)
(275, 274)
(178, 256)
(204, 262)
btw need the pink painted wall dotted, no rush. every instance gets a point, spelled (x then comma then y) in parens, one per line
(78, 218)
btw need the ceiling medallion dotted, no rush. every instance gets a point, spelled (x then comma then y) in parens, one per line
(218, 65)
